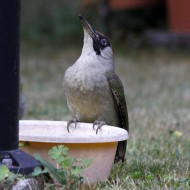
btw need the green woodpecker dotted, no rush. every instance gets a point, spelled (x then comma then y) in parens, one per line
(93, 91)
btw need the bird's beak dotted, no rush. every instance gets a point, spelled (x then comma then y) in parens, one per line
(88, 27)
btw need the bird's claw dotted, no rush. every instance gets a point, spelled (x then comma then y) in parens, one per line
(99, 125)
(74, 120)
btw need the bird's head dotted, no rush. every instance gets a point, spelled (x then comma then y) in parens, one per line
(95, 42)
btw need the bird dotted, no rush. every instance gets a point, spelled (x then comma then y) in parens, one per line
(93, 90)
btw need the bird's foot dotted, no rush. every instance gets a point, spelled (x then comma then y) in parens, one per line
(99, 125)
(74, 120)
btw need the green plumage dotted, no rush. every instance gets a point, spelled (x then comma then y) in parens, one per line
(116, 87)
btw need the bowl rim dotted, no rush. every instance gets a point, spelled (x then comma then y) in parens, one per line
(56, 132)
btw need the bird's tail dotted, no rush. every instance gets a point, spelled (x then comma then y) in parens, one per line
(121, 150)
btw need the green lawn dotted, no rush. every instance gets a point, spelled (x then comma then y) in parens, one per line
(157, 88)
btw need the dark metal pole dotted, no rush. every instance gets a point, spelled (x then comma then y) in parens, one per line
(9, 73)
(17, 160)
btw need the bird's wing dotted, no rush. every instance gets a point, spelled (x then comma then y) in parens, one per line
(116, 87)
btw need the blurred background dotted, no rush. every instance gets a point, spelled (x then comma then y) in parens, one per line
(151, 39)
(55, 24)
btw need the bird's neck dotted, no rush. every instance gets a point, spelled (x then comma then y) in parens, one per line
(93, 61)
(87, 46)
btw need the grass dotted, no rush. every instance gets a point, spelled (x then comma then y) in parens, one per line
(157, 87)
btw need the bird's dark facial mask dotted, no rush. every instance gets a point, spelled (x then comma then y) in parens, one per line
(100, 43)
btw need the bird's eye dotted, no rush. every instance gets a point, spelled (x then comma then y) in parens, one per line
(104, 42)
